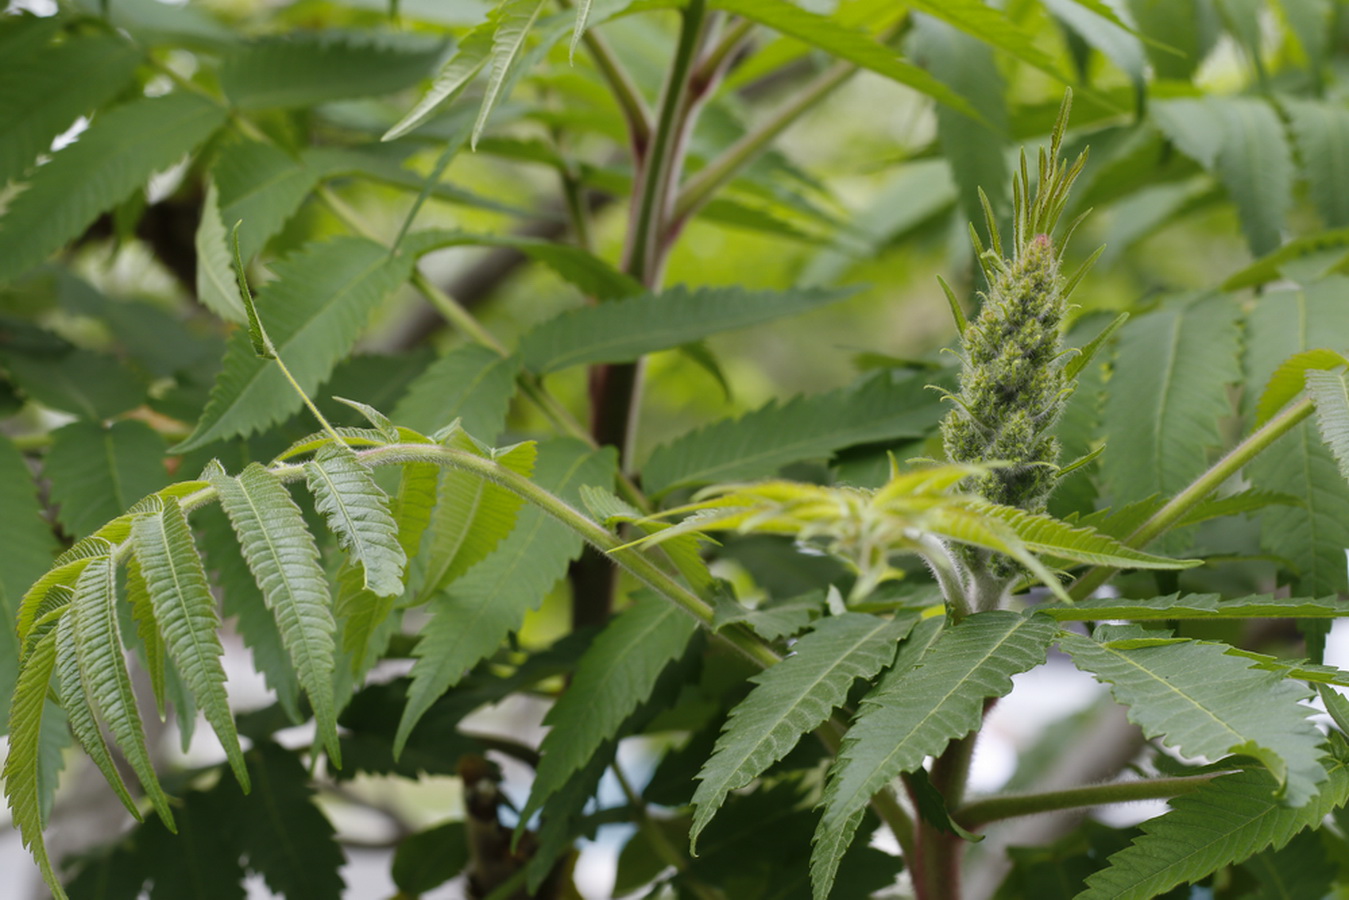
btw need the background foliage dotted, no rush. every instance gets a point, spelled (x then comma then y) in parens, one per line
(636, 249)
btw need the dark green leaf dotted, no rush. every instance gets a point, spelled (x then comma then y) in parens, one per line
(97, 473)
(429, 858)
(89, 384)
(471, 383)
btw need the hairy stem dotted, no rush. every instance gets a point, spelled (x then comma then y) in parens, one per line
(1176, 508)
(994, 809)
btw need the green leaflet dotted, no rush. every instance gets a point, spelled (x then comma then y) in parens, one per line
(49, 87)
(90, 384)
(304, 68)
(313, 312)
(97, 473)
(471, 383)
(588, 273)
(184, 611)
(1176, 363)
(1299, 869)
(469, 621)
(1290, 378)
(426, 860)
(1203, 701)
(1103, 30)
(993, 26)
(97, 642)
(147, 629)
(1330, 393)
(880, 408)
(261, 186)
(64, 573)
(617, 673)
(623, 330)
(1321, 132)
(915, 712)
(1046, 535)
(468, 60)
(514, 20)
(285, 563)
(472, 515)
(1241, 140)
(1314, 535)
(217, 287)
(23, 763)
(975, 149)
(118, 152)
(1198, 606)
(357, 512)
(1223, 822)
(843, 42)
(792, 698)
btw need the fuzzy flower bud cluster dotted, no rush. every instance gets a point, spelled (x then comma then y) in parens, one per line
(1012, 387)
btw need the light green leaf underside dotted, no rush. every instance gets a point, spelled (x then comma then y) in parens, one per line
(469, 621)
(1221, 823)
(616, 674)
(284, 560)
(261, 186)
(102, 666)
(1199, 606)
(1312, 536)
(147, 629)
(1330, 393)
(1204, 702)
(1321, 132)
(357, 512)
(793, 698)
(119, 151)
(217, 287)
(42, 94)
(1242, 141)
(23, 775)
(845, 43)
(97, 473)
(1046, 535)
(514, 20)
(1176, 363)
(305, 68)
(313, 312)
(471, 383)
(915, 712)
(471, 517)
(810, 427)
(184, 611)
(1290, 378)
(623, 330)
(468, 60)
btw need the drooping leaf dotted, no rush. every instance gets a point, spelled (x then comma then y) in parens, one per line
(97, 640)
(42, 597)
(305, 68)
(884, 407)
(612, 679)
(313, 312)
(43, 92)
(282, 556)
(843, 42)
(1176, 363)
(469, 621)
(1289, 379)
(915, 712)
(1204, 702)
(184, 611)
(114, 156)
(792, 698)
(357, 511)
(1312, 536)
(97, 473)
(1225, 821)
(514, 18)
(23, 763)
(471, 517)
(285, 837)
(1241, 140)
(468, 60)
(1330, 393)
(1198, 606)
(623, 330)
(89, 384)
(471, 383)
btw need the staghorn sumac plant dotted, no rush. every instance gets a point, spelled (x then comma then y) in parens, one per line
(407, 511)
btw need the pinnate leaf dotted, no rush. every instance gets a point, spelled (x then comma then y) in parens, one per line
(792, 698)
(357, 511)
(284, 561)
(1203, 701)
(116, 155)
(916, 711)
